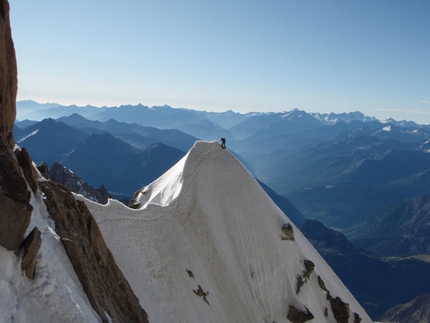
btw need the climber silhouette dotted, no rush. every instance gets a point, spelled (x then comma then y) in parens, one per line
(223, 143)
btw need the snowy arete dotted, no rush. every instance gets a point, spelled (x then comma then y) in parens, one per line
(206, 244)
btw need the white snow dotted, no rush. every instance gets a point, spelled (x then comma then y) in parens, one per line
(28, 136)
(55, 294)
(209, 216)
(386, 128)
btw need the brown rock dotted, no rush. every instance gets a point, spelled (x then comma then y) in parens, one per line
(15, 210)
(8, 75)
(107, 289)
(297, 316)
(31, 246)
(287, 229)
(43, 169)
(309, 268)
(357, 318)
(322, 284)
(26, 164)
(340, 309)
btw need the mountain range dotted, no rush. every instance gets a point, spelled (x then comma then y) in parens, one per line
(325, 164)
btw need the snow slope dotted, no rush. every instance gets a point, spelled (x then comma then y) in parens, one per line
(206, 246)
(55, 294)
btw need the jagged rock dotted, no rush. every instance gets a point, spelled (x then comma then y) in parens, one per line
(297, 316)
(15, 210)
(8, 75)
(309, 268)
(287, 229)
(201, 293)
(322, 284)
(103, 282)
(26, 164)
(31, 246)
(43, 169)
(339, 308)
(357, 318)
(64, 176)
(190, 273)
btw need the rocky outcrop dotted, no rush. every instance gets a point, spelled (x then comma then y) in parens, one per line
(415, 311)
(297, 316)
(31, 246)
(102, 280)
(339, 308)
(15, 210)
(301, 279)
(8, 75)
(287, 229)
(29, 171)
(64, 176)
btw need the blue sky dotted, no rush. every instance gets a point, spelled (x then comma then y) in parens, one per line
(314, 55)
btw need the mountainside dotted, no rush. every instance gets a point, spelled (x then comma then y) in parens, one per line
(65, 176)
(133, 133)
(376, 283)
(100, 158)
(109, 161)
(400, 229)
(328, 181)
(206, 244)
(415, 311)
(49, 141)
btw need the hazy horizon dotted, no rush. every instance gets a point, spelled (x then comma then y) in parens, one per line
(243, 56)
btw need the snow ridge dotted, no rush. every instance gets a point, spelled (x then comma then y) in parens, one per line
(206, 245)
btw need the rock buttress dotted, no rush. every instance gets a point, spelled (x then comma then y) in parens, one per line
(8, 75)
(15, 210)
(102, 280)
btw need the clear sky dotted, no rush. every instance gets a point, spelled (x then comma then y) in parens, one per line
(244, 55)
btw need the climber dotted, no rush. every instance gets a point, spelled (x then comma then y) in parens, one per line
(223, 143)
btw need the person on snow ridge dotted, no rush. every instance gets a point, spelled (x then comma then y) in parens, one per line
(223, 143)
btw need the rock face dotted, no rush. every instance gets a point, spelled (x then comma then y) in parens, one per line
(26, 164)
(15, 210)
(103, 282)
(416, 311)
(297, 316)
(31, 246)
(8, 75)
(64, 176)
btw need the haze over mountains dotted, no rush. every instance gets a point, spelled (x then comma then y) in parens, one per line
(326, 164)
